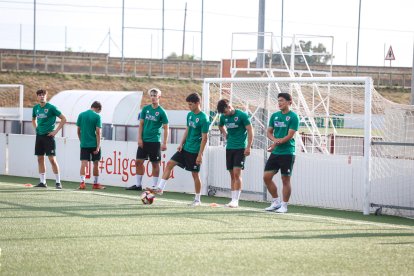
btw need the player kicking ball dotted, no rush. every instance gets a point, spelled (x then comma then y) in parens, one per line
(189, 155)
(282, 128)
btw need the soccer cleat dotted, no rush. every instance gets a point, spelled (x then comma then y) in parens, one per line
(41, 185)
(232, 204)
(195, 203)
(155, 190)
(58, 186)
(82, 186)
(282, 209)
(274, 206)
(97, 187)
(134, 187)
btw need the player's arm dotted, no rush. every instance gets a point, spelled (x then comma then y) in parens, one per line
(166, 133)
(180, 147)
(34, 122)
(250, 136)
(199, 159)
(140, 129)
(271, 138)
(98, 139)
(223, 132)
(78, 132)
(289, 136)
(60, 126)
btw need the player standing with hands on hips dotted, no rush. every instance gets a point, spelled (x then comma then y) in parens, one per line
(43, 120)
(281, 131)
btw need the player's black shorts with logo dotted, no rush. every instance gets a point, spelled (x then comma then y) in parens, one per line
(284, 163)
(151, 150)
(235, 158)
(88, 155)
(45, 145)
(186, 160)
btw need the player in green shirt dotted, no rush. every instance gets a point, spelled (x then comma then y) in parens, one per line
(89, 132)
(43, 120)
(189, 153)
(236, 128)
(281, 131)
(152, 118)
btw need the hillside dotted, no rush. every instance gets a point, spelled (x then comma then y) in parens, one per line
(174, 91)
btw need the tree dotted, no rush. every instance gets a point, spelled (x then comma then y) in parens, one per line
(173, 56)
(308, 51)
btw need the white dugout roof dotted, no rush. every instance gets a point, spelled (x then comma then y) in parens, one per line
(118, 107)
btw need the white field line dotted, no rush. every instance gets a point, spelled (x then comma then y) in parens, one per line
(316, 217)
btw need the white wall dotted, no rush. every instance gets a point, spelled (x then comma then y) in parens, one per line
(116, 166)
(3, 153)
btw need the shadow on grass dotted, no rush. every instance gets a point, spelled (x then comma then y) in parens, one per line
(329, 236)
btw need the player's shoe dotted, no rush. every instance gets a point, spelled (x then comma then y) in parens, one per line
(195, 203)
(97, 187)
(58, 186)
(155, 190)
(82, 186)
(282, 209)
(41, 185)
(232, 204)
(134, 187)
(274, 206)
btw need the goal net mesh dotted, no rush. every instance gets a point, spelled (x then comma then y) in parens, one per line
(330, 169)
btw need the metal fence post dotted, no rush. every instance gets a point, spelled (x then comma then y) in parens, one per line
(46, 64)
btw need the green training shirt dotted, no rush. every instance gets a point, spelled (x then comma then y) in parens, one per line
(196, 125)
(281, 123)
(236, 129)
(88, 121)
(46, 118)
(153, 121)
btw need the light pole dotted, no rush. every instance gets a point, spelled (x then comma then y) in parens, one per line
(359, 27)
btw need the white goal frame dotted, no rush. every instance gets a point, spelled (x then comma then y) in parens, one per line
(366, 82)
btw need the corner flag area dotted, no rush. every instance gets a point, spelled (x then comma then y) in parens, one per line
(50, 232)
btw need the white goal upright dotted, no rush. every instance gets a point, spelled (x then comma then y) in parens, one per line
(355, 149)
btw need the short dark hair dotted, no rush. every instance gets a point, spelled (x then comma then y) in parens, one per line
(285, 96)
(41, 91)
(96, 105)
(193, 98)
(222, 105)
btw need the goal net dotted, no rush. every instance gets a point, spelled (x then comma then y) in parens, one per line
(354, 148)
(11, 108)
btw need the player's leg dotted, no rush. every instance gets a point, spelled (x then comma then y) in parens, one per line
(40, 153)
(176, 159)
(286, 164)
(85, 157)
(141, 156)
(271, 168)
(197, 189)
(95, 159)
(155, 158)
(50, 149)
(235, 164)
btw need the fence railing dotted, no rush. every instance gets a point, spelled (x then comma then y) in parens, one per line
(177, 69)
(110, 66)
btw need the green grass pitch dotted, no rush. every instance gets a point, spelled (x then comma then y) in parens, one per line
(71, 232)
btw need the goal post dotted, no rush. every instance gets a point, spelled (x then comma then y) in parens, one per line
(340, 118)
(12, 103)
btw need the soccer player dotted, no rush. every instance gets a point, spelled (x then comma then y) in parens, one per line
(189, 153)
(281, 131)
(89, 132)
(152, 118)
(236, 128)
(43, 120)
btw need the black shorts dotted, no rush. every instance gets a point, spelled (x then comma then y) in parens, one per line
(87, 154)
(45, 145)
(282, 162)
(151, 150)
(235, 158)
(186, 160)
